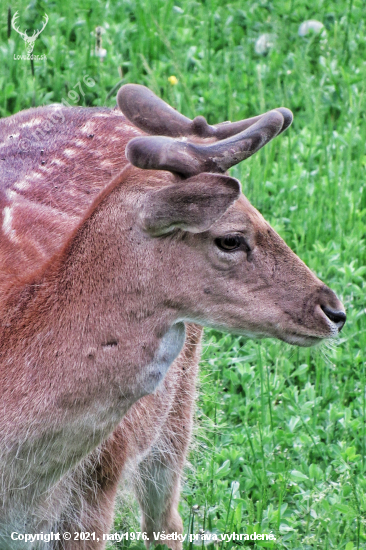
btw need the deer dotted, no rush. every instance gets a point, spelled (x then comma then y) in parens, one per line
(29, 40)
(122, 235)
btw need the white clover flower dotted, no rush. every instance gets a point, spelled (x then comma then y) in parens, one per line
(100, 52)
(264, 43)
(312, 25)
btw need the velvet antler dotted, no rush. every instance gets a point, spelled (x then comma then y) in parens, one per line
(188, 159)
(152, 115)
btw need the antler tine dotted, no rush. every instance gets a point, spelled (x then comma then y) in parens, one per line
(15, 17)
(228, 129)
(189, 159)
(44, 24)
(152, 115)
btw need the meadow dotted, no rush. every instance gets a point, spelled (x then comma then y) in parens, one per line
(280, 442)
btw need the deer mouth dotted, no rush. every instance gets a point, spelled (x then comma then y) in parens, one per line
(302, 340)
(333, 319)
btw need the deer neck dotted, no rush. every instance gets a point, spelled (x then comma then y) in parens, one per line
(88, 340)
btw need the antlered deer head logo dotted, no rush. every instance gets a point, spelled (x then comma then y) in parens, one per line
(29, 40)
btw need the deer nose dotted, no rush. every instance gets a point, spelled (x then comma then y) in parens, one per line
(338, 317)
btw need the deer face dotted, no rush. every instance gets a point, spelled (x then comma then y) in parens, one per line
(237, 275)
(255, 285)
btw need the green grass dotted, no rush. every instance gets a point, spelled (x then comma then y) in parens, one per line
(281, 435)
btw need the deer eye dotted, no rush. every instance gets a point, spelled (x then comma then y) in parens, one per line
(230, 243)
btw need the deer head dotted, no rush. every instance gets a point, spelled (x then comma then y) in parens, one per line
(251, 281)
(29, 40)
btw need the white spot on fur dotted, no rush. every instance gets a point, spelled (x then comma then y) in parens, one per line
(106, 163)
(21, 185)
(24, 184)
(32, 123)
(7, 220)
(34, 176)
(88, 128)
(70, 152)
(11, 194)
(58, 162)
(7, 224)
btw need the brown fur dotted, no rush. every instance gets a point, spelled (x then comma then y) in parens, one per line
(99, 276)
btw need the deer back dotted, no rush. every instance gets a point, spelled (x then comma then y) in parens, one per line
(55, 164)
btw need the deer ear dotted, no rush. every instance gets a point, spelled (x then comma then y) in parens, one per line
(193, 204)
